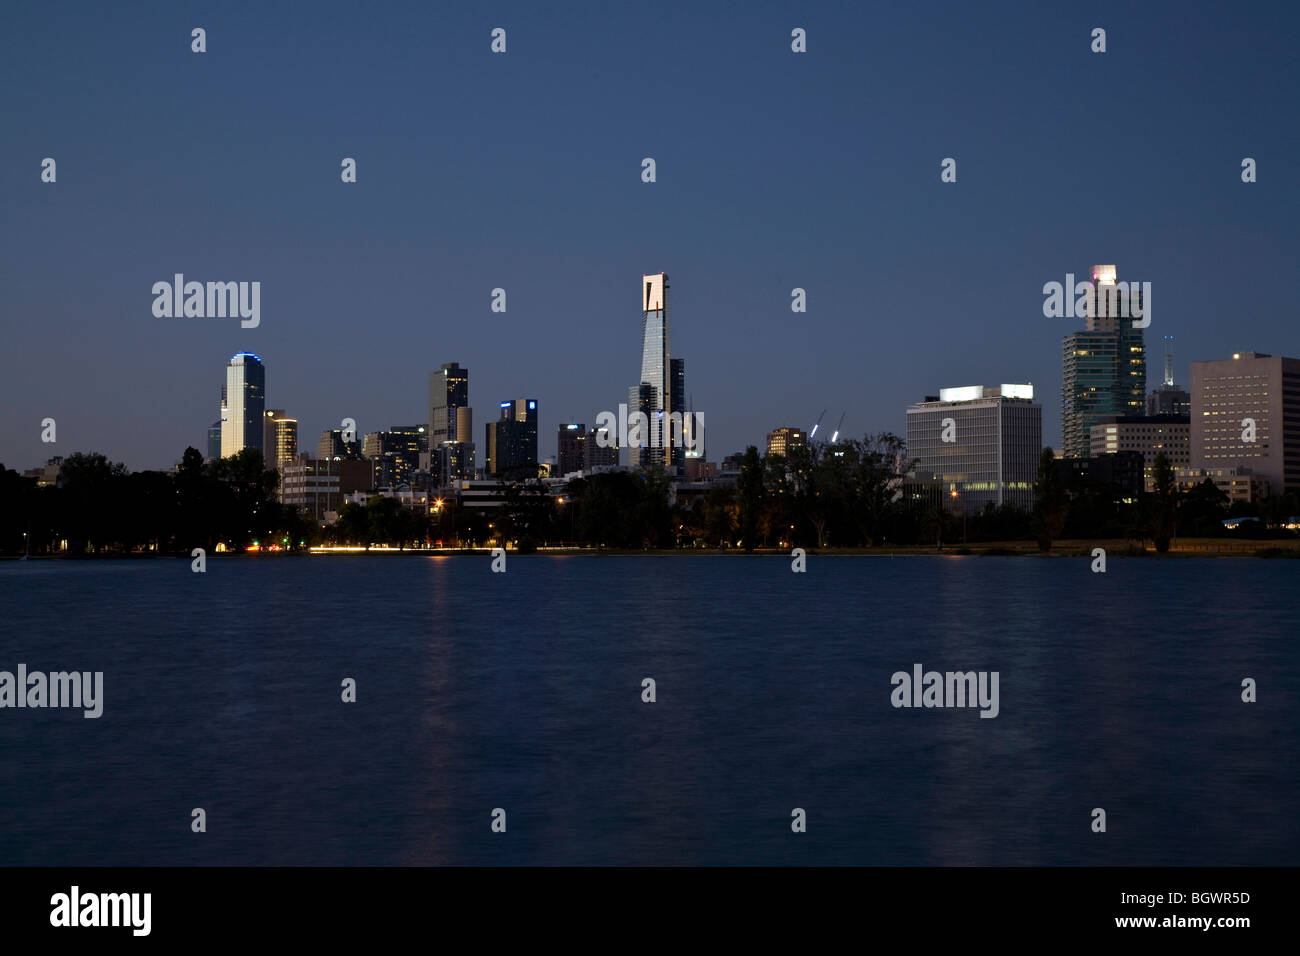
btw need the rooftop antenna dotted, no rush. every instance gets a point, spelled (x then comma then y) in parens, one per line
(1169, 360)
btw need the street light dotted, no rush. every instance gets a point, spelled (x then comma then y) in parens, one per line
(963, 516)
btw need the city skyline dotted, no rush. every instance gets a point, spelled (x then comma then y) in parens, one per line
(275, 422)
(979, 579)
(367, 286)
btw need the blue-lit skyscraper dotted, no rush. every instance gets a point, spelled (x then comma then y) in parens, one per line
(512, 441)
(245, 404)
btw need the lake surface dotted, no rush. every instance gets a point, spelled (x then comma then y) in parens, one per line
(522, 691)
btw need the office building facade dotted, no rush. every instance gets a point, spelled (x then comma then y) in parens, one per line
(512, 441)
(675, 432)
(600, 449)
(1246, 416)
(317, 488)
(1149, 435)
(981, 442)
(1104, 366)
(571, 448)
(1237, 484)
(451, 423)
(332, 446)
(279, 439)
(394, 455)
(781, 441)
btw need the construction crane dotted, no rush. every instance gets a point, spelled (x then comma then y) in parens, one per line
(838, 425)
(818, 425)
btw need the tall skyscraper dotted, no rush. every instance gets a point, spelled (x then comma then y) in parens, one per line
(642, 398)
(279, 439)
(245, 404)
(1246, 415)
(571, 445)
(653, 395)
(981, 442)
(1104, 366)
(451, 422)
(448, 391)
(512, 441)
(677, 403)
(409, 442)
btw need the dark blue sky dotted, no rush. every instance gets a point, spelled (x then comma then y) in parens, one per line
(522, 170)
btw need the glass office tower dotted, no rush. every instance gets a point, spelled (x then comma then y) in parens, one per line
(654, 394)
(245, 405)
(1104, 370)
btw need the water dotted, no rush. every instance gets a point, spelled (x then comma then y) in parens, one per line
(523, 691)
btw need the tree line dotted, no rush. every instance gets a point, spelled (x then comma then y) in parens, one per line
(1095, 510)
(854, 494)
(99, 507)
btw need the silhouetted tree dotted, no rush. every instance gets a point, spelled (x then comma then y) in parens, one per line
(749, 497)
(1164, 503)
(1050, 503)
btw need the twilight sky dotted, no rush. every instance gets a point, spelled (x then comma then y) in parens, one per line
(523, 171)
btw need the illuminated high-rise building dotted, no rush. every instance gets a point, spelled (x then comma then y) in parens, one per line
(512, 441)
(279, 439)
(244, 405)
(394, 455)
(676, 434)
(653, 395)
(780, 441)
(451, 422)
(1104, 371)
(571, 448)
(332, 446)
(1246, 416)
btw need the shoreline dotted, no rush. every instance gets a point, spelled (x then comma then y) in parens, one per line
(1191, 548)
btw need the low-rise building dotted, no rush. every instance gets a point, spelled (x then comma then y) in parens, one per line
(1149, 435)
(1239, 484)
(317, 487)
